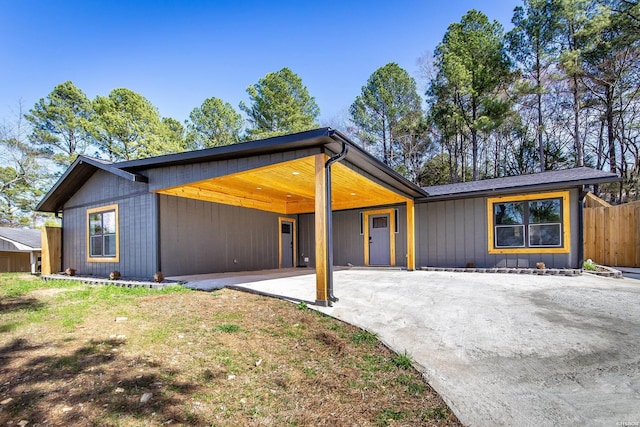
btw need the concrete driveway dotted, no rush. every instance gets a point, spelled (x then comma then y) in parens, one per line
(502, 349)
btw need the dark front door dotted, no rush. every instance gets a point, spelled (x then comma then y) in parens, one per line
(286, 244)
(379, 247)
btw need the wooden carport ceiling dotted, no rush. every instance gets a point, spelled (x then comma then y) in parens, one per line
(288, 188)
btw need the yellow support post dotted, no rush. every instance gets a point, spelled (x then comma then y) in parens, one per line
(322, 257)
(411, 236)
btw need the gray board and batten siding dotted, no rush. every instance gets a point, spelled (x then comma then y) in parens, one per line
(204, 237)
(348, 243)
(454, 233)
(137, 226)
(200, 237)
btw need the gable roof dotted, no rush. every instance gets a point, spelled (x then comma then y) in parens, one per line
(565, 178)
(328, 139)
(325, 137)
(24, 239)
(75, 177)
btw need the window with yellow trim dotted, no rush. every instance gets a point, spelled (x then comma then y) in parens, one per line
(534, 223)
(529, 223)
(102, 233)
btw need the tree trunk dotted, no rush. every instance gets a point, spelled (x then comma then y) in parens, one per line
(600, 151)
(474, 140)
(385, 153)
(576, 124)
(540, 122)
(610, 124)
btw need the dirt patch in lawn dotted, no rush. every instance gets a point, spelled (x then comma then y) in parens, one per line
(89, 356)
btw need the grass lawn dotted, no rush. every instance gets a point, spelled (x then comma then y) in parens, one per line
(80, 355)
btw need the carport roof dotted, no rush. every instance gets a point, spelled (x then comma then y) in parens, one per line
(327, 139)
(565, 178)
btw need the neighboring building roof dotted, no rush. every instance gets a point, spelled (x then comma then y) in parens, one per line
(24, 239)
(565, 178)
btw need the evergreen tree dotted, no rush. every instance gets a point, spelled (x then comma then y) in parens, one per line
(62, 124)
(532, 45)
(387, 112)
(213, 124)
(128, 126)
(472, 62)
(280, 104)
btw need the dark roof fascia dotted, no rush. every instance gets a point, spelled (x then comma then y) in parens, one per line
(520, 189)
(376, 168)
(75, 176)
(112, 168)
(310, 138)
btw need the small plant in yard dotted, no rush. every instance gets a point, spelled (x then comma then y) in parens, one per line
(413, 387)
(364, 337)
(403, 360)
(302, 306)
(228, 328)
(389, 414)
(438, 413)
(590, 265)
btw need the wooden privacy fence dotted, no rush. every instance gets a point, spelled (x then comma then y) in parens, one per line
(51, 250)
(612, 233)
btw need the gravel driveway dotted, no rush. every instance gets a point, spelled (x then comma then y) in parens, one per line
(503, 349)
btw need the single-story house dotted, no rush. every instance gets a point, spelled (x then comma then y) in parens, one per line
(313, 199)
(20, 250)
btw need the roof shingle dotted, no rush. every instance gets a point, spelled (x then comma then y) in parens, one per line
(560, 178)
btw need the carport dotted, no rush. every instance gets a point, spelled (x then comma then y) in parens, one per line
(318, 172)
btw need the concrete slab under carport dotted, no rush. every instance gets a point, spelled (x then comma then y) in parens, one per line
(213, 281)
(501, 349)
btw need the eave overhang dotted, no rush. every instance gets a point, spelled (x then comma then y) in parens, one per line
(75, 177)
(379, 178)
(531, 188)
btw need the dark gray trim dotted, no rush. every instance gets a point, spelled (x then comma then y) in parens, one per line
(75, 177)
(329, 217)
(376, 168)
(315, 137)
(326, 137)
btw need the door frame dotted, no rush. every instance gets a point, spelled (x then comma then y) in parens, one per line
(392, 234)
(294, 237)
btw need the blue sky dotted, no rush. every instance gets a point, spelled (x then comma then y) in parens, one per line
(177, 53)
